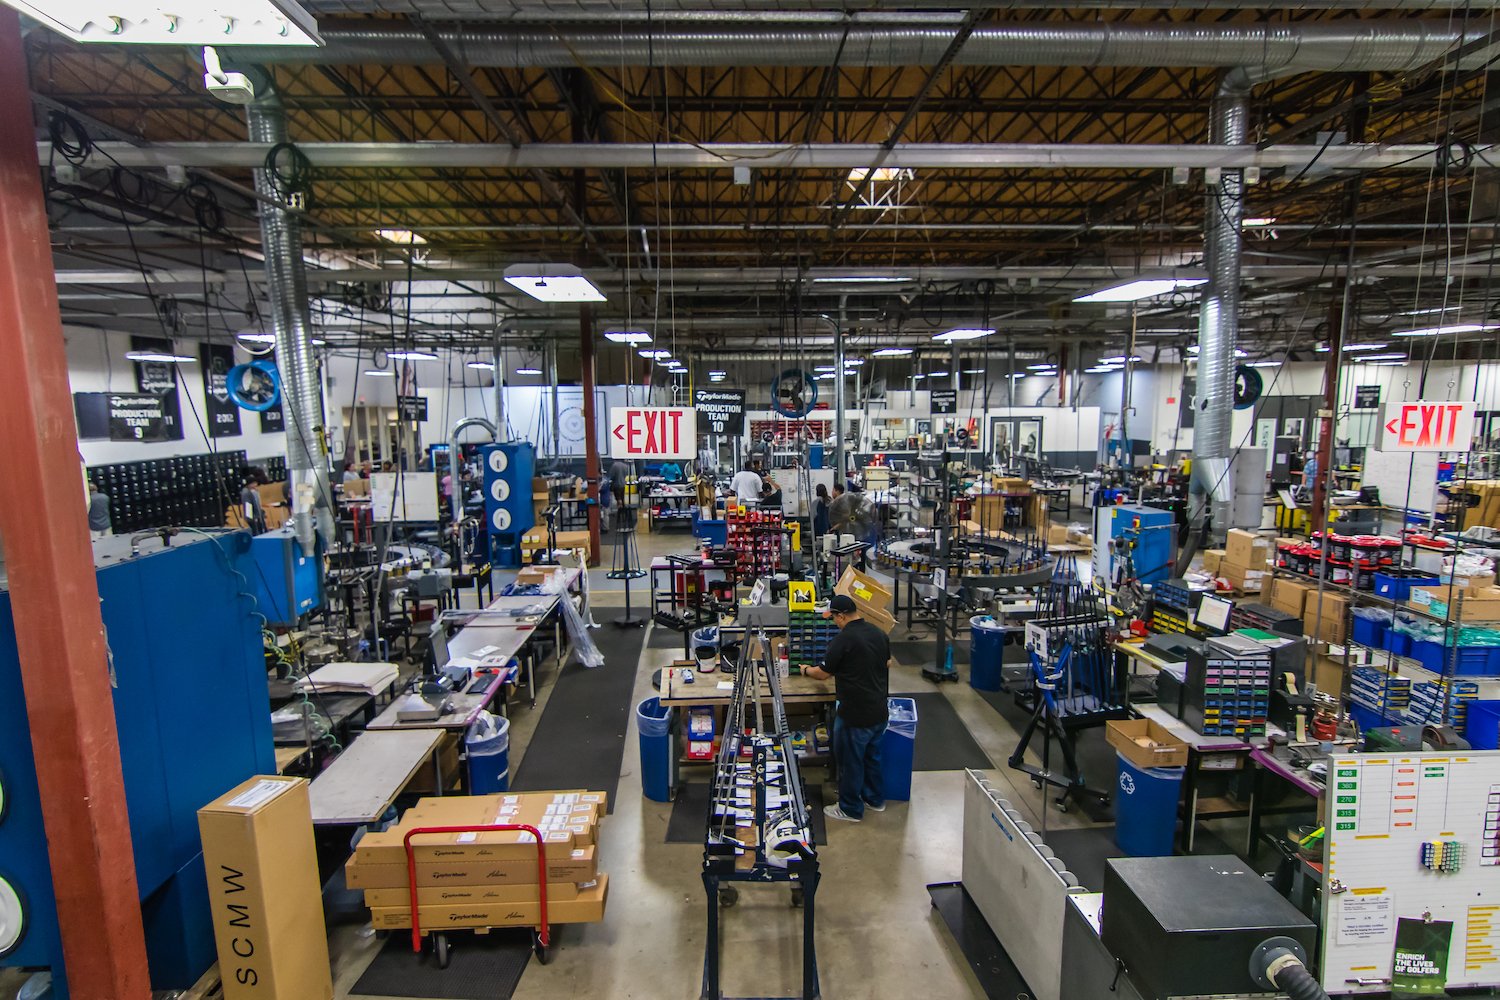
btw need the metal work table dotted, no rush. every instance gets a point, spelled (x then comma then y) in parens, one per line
(361, 784)
(798, 689)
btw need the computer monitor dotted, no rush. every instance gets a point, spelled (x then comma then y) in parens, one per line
(1213, 613)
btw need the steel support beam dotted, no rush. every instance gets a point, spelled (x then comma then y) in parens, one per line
(590, 426)
(787, 156)
(54, 593)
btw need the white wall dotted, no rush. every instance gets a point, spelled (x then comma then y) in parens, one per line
(96, 363)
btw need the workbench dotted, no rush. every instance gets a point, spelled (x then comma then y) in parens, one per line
(360, 785)
(798, 689)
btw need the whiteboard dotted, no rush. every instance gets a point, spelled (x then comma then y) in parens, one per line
(1391, 471)
(1381, 810)
(412, 497)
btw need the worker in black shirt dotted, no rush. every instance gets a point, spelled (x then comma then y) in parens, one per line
(858, 661)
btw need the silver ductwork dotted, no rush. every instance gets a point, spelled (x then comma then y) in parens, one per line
(457, 493)
(618, 10)
(1273, 48)
(1218, 318)
(301, 389)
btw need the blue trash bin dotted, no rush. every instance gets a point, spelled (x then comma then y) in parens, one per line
(654, 720)
(1146, 808)
(986, 653)
(898, 747)
(487, 745)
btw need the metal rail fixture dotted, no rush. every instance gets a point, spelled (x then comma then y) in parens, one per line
(756, 809)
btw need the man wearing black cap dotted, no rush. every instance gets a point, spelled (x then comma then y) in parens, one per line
(857, 660)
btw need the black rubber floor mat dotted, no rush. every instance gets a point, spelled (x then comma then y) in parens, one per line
(480, 967)
(688, 823)
(664, 638)
(580, 740)
(943, 741)
(997, 974)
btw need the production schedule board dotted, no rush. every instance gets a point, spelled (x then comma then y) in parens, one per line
(1411, 901)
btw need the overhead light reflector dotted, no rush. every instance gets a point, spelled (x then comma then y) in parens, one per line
(1363, 347)
(1438, 331)
(380, 373)
(893, 352)
(861, 279)
(528, 371)
(1140, 288)
(627, 336)
(1383, 357)
(198, 22)
(655, 353)
(553, 283)
(404, 237)
(963, 333)
(1119, 359)
(487, 366)
(1258, 221)
(411, 356)
(253, 338)
(1048, 366)
(158, 357)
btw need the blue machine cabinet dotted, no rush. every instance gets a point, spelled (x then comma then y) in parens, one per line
(1150, 535)
(508, 514)
(286, 583)
(193, 716)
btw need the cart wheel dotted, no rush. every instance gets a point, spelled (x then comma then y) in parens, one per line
(729, 895)
(797, 896)
(440, 949)
(1062, 805)
(1036, 783)
(543, 951)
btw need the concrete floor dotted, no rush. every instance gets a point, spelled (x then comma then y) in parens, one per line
(877, 933)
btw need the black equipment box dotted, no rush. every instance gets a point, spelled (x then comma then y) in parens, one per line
(1187, 926)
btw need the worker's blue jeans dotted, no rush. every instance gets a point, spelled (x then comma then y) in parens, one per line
(856, 749)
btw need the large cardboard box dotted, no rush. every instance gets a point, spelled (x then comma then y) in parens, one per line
(1290, 596)
(1246, 548)
(1057, 534)
(1248, 579)
(579, 866)
(264, 891)
(1212, 558)
(585, 908)
(1458, 605)
(1327, 673)
(468, 895)
(387, 847)
(1145, 743)
(865, 590)
(1326, 622)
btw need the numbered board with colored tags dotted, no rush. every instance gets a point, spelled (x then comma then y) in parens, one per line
(1412, 891)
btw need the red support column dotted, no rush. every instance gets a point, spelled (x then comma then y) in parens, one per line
(590, 432)
(54, 595)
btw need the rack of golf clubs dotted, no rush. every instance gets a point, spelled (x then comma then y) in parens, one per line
(757, 808)
(1073, 681)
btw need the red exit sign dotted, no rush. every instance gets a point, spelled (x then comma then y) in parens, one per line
(1428, 425)
(665, 433)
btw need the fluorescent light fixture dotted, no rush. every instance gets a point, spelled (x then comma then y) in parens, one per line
(1438, 331)
(938, 374)
(627, 336)
(1101, 369)
(826, 368)
(963, 333)
(553, 283)
(158, 357)
(485, 366)
(716, 378)
(1363, 347)
(199, 22)
(1047, 366)
(1371, 358)
(1258, 221)
(380, 373)
(1140, 288)
(717, 373)
(1193, 349)
(862, 279)
(254, 338)
(853, 362)
(918, 377)
(528, 371)
(411, 356)
(893, 352)
(405, 237)
(655, 353)
(825, 375)
(1265, 364)
(1386, 364)
(1118, 359)
(858, 174)
(972, 371)
(1429, 311)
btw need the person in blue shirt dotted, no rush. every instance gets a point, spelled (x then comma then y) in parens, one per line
(820, 510)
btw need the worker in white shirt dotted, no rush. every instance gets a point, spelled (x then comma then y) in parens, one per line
(746, 485)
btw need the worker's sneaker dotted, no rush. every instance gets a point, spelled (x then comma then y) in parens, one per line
(874, 808)
(834, 812)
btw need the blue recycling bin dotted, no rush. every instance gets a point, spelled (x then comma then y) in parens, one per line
(654, 720)
(1146, 808)
(898, 748)
(986, 653)
(487, 745)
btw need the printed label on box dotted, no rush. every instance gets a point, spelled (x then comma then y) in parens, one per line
(261, 791)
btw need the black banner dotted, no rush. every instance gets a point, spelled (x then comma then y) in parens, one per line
(1367, 397)
(137, 416)
(222, 414)
(944, 401)
(271, 421)
(721, 411)
(159, 378)
(412, 407)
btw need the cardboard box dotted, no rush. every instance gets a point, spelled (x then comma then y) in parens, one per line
(448, 761)
(1326, 623)
(573, 539)
(1211, 560)
(387, 847)
(264, 891)
(1248, 579)
(1290, 596)
(1057, 534)
(1246, 548)
(468, 895)
(1145, 743)
(580, 866)
(1327, 673)
(865, 590)
(586, 907)
(1478, 606)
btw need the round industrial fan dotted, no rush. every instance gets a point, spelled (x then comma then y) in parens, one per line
(853, 514)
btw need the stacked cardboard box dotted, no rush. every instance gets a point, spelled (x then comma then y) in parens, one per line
(1246, 558)
(870, 596)
(487, 879)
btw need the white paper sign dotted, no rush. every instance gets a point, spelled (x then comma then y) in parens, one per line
(1366, 918)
